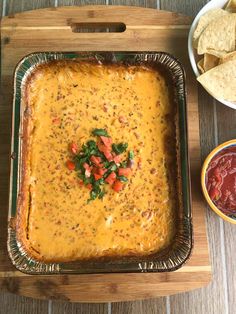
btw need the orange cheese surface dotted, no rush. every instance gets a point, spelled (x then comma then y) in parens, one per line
(67, 100)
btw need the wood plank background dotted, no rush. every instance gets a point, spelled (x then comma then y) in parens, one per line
(217, 124)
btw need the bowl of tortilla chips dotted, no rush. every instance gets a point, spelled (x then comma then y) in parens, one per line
(212, 49)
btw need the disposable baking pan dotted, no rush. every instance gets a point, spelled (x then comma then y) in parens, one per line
(167, 260)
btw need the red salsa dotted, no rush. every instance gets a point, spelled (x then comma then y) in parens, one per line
(221, 180)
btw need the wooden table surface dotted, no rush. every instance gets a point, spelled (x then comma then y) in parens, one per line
(217, 124)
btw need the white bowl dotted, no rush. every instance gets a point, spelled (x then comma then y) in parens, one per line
(213, 4)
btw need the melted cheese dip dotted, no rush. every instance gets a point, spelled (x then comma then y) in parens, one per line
(67, 100)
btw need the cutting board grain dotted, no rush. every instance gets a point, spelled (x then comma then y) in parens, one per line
(146, 29)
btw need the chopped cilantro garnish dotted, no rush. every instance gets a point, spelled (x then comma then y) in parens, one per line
(92, 144)
(123, 164)
(112, 166)
(122, 178)
(97, 164)
(93, 194)
(101, 181)
(131, 154)
(119, 148)
(99, 132)
(101, 194)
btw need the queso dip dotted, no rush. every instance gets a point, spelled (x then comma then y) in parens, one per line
(66, 101)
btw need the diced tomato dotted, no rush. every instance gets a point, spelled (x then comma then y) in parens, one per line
(89, 186)
(94, 170)
(108, 155)
(111, 178)
(117, 159)
(81, 183)
(218, 178)
(107, 141)
(103, 148)
(95, 160)
(70, 165)
(86, 166)
(117, 186)
(97, 176)
(74, 148)
(124, 172)
(214, 194)
(101, 171)
(98, 170)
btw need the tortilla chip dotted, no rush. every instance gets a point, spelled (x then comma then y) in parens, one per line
(231, 6)
(210, 61)
(217, 53)
(228, 57)
(218, 35)
(221, 81)
(204, 21)
(200, 65)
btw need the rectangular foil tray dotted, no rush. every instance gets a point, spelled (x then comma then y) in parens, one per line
(167, 260)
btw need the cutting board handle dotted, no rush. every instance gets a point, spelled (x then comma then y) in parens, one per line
(98, 27)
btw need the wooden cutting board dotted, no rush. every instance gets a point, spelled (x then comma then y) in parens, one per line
(54, 29)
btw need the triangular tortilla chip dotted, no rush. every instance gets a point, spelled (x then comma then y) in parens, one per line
(217, 53)
(228, 57)
(205, 20)
(218, 35)
(221, 81)
(231, 6)
(210, 61)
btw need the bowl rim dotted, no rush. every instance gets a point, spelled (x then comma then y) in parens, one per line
(207, 7)
(203, 176)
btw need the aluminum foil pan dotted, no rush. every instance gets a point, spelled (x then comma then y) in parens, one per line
(167, 260)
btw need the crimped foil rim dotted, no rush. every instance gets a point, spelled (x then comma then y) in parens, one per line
(183, 243)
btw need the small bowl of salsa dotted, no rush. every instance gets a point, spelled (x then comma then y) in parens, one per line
(218, 179)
